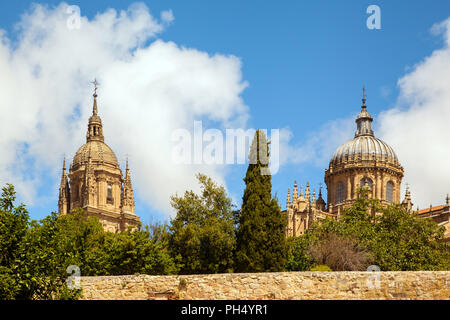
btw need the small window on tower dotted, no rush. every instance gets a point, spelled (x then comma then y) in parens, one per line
(340, 192)
(109, 197)
(390, 191)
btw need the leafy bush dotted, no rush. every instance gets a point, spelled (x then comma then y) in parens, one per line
(321, 267)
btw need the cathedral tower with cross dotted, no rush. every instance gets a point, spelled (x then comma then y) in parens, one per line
(364, 161)
(95, 181)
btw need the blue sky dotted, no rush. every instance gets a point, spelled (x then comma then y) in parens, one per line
(305, 63)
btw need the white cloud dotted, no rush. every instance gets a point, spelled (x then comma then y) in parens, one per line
(318, 146)
(167, 16)
(418, 127)
(146, 91)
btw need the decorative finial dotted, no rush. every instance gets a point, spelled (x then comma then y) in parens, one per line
(94, 108)
(447, 200)
(64, 163)
(364, 98)
(96, 85)
(407, 193)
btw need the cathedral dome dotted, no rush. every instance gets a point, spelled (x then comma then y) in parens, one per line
(364, 146)
(99, 152)
(364, 161)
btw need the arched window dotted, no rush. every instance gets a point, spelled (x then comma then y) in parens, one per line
(109, 197)
(340, 192)
(366, 182)
(390, 191)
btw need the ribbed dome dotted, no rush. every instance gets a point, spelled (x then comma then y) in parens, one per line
(364, 148)
(99, 151)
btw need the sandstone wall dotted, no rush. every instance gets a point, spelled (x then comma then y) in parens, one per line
(284, 285)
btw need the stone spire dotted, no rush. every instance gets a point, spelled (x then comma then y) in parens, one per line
(406, 203)
(64, 192)
(295, 192)
(447, 200)
(307, 193)
(364, 120)
(320, 203)
(127, 193)
(288, 201)
(95, 127)
(314, 198)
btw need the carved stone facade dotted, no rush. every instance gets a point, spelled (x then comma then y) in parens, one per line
(304, 209)
(364, 161)
(96, 184)
(440, 214)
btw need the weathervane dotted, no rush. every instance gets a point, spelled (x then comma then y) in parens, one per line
(364, 96)
(96, 84)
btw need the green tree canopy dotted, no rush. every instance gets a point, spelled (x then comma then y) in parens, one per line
(35, 256)
(29, 266)
(202, 233)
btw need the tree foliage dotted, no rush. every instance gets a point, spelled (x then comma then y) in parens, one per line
(261, 243)
(396, 240)
(202, 233)
(29, 267)
(130, 252)
(34, 256)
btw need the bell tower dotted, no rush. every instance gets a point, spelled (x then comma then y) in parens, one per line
(95, 181)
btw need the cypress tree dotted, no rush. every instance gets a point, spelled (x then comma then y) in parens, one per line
(261, 243)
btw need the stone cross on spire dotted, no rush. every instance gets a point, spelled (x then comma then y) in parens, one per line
(96, 85)
(95, 128)
(364, 97)
(94, 109)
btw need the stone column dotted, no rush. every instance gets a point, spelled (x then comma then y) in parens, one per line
(378, 185)
(349, 188)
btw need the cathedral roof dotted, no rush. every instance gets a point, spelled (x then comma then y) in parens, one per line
(364, 146)
(99, 151)
(95, 147)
